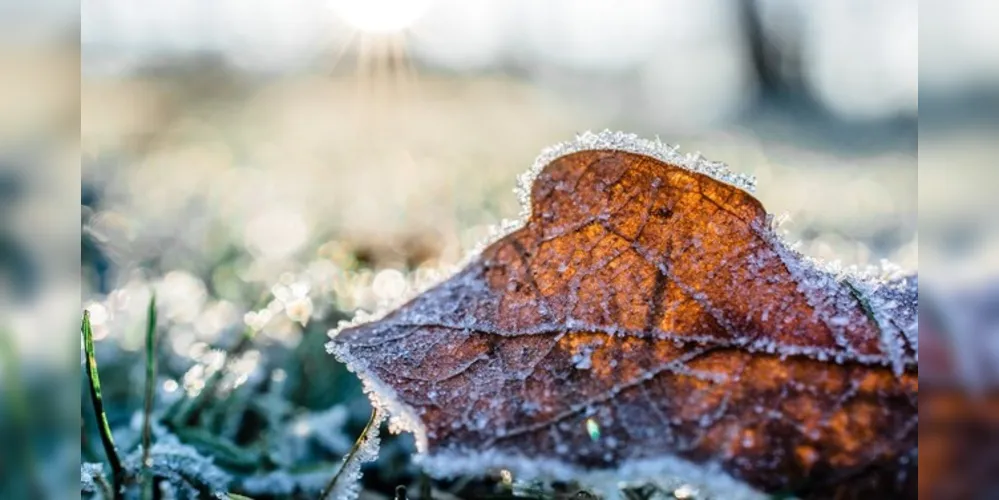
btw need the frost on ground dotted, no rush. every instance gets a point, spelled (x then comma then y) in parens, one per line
(323, 429)
(282, 483)
(645, 321)
(188, 474)
(89, 474)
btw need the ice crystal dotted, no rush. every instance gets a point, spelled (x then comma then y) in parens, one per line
(192, 473)
(324, 430)
(667, 474)
(282, 483)
(348, 485)
(89, 472)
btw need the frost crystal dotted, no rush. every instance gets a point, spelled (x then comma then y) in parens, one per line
(348, 485)
(89, 472)
(185, 468)
(667, 474)
(324, 429)
(282, 483)
(631, 143)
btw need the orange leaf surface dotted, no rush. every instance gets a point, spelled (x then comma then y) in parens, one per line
(645, 322)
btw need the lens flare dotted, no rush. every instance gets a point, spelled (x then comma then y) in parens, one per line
(381, 16)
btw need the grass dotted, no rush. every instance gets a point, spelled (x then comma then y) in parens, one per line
(150, 394)
(253, 449)
(352, 455)
(184, 422)
(97, 399)
(193, 420)
(121, 477)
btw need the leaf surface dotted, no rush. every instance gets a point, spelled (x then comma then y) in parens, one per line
(646, 322)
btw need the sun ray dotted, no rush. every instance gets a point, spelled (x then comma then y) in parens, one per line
(385, 77)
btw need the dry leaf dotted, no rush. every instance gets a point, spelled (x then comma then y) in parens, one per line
(645, 322)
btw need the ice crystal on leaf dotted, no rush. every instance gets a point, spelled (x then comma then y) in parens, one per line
(323, 430)
(646, 294)
(282, 483)
(89, 474)
(194, 475)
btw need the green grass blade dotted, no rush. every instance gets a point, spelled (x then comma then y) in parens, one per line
(118, 472)
(17, 400)
(147, 409)
(374, 420)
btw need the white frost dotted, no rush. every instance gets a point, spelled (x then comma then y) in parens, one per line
(629, 143)
(283, 483)
(348, 485)
(183, 466)
(89, 472)
(666, 473)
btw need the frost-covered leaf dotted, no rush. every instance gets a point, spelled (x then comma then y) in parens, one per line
(89, 475)
(283, 483)
(307, 434)
(645, 322)
(194, 475)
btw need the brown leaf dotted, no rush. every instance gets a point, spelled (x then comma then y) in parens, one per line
(647, 323)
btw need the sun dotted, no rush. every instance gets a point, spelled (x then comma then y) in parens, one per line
(381, 16)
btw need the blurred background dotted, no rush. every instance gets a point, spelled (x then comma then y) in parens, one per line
(272, 167)
(401, 125)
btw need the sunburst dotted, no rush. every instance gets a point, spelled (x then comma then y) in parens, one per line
(378, 33)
